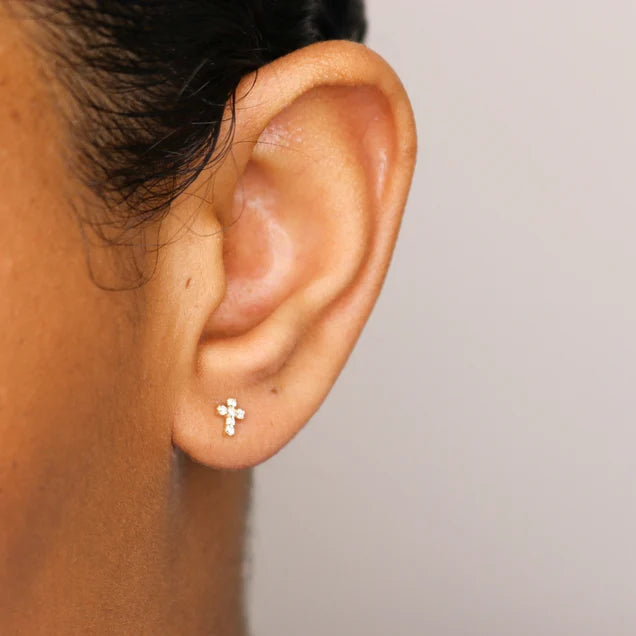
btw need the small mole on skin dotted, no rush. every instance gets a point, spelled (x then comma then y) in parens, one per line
(15, 115)
(275, 390)
(188, 283)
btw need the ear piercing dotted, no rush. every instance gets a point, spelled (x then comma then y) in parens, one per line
(231, 413)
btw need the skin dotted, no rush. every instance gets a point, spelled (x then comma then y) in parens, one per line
(123, 504)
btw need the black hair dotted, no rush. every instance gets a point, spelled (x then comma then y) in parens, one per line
(149, 82)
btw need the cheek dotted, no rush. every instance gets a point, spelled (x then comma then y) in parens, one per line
(66, 349)
(82, 432)
(69, 369)
(64, 343)
(61, 338)
(79, 412)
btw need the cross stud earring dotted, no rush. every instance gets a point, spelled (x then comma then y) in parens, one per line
(231, 413)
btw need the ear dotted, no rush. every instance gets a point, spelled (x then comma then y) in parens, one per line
(286, 246)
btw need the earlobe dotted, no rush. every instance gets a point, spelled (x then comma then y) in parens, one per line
(310, 200)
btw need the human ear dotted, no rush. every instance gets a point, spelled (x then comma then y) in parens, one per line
(288, 240)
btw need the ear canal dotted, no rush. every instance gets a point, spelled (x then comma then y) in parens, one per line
(259, 255)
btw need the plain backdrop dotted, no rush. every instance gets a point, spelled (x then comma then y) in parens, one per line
(473, 472)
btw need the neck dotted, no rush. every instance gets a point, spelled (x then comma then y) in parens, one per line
(210, 510)
(156, 551)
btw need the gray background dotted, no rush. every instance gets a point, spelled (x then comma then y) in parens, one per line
(473, 470)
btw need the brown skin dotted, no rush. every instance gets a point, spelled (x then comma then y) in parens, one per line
(122, 502)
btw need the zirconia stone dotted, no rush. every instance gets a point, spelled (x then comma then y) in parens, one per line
(231, 413)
